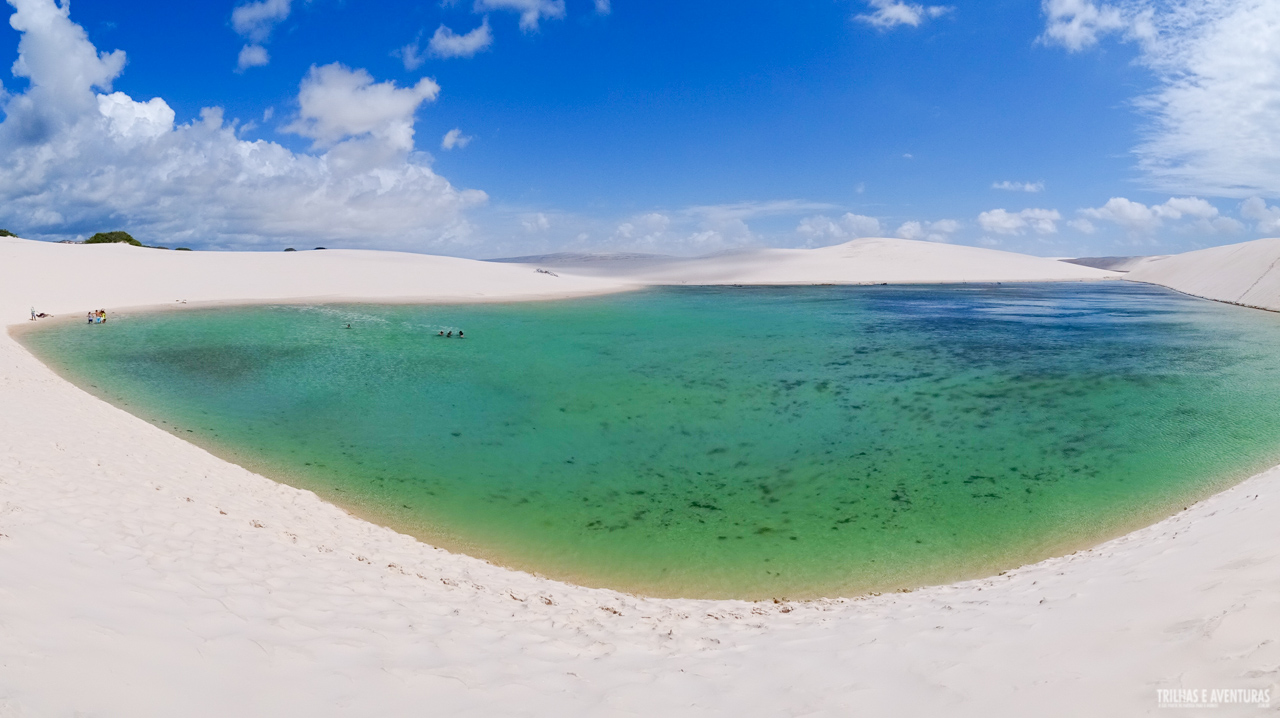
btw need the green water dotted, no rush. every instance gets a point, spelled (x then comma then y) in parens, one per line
(747, 442)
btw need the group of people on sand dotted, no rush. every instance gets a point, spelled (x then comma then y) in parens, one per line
(97, 316)
(449, 334)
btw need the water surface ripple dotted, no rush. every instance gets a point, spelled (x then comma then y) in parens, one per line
(724, 442)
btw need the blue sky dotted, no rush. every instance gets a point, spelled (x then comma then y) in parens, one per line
(665, 127)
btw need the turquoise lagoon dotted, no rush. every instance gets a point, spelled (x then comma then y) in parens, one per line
(724, 442)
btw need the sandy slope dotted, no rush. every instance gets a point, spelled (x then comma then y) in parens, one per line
(1238, 273)
(140, 576)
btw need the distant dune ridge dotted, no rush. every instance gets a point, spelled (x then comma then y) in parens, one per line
(143, 576)
(861, 261)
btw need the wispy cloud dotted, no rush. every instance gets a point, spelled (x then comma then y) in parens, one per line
(821, 229)
(888, 14)
(531, 11)
(1018, 186)
(454, 138)
(1214, 116)
(1001, 221)
(447, 43)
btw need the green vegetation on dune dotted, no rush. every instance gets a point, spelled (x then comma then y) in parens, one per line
(113, 238)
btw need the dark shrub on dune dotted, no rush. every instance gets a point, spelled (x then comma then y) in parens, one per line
(290, 249)
(113, 238)
(7, 233)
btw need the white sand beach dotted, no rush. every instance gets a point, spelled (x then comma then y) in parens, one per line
(142, 576)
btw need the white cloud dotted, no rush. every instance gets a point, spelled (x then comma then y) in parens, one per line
(1132, 216)
(603, 7)
(255, 20)
(337, 102)
(537, 222)
(1214, 117)
(447, 43)
(531, 11)
(252, 56)
(411, 55)
(73, 161)
(1019, 186)
(820, 229)
(651, 231)
(1077, 24)
(454, 138)
(1082, 225)
(1267, 218)
(1190, 214)
(889, 14)
(127, 118)
(939, 231)
(1000, 221)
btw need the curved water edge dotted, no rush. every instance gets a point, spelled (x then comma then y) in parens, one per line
(878, 479)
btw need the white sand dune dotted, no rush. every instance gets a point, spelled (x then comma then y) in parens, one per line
(141, 576)
(1237, 273)
(862, 261)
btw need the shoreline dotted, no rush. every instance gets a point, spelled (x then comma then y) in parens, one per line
(145, 576)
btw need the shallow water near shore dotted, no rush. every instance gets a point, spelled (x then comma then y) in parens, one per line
(724, 442)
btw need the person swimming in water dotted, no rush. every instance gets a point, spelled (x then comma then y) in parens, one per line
(449, 335)
(459, 333)
(441, 332)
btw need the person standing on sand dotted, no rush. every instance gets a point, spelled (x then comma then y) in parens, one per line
(33, 314)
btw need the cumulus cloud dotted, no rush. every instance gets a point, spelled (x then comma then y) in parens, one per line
(254, 21)
(1000, 221)
(336, 102)
(1266, 218)
(1214, 118)
(1077, 24)
(939, 231)
(252, 56)
(888, 14)
(531, 11)
(76, 158)
(1190, 213)
(821, 229)
(454, 138)
(1018, 186)
(447, 43)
